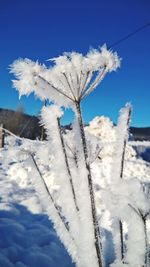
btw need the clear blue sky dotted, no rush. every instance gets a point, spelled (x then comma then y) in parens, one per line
(46, 28)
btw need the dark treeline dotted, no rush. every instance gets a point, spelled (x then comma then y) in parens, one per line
(28, 126)
(21, 124)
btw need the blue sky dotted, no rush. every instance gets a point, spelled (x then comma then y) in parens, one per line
(46, 28)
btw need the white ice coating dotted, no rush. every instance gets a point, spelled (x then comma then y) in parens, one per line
(87, 248)
(124, 199)
(49, 117)
(69, 79)
(81, 226)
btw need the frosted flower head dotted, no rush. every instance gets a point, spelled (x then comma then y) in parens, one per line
(112, 61)
(25, 71)
(72, 77)
(98, 59)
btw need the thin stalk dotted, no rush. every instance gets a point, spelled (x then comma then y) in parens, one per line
(72, 83)
(121, 176)
(74, 153)
(42, 130)
(58, 219)
(67, 164)
(96, 156)
(99, 77)
(49, 194)
(144, 219)
(2, 135)
(121, 238)
(55, 88)
(84, 84)
(124, 146)
(76, 160)
(78, 84)
(146, 243)
(69, 85)
(90, 185)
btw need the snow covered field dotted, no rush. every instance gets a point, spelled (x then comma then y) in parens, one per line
(27, 238)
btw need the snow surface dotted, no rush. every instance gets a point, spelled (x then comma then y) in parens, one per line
(27, 237)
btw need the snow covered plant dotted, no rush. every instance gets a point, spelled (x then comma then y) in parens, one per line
(127, 204)
(70, 79)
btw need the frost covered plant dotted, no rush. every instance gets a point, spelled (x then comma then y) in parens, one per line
(73, 76)
(70, 79)
(128, 205)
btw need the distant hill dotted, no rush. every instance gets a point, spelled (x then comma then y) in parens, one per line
(28, 126)
(140, 133)
(20, 123)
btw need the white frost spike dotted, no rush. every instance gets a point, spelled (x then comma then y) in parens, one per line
(121, 136)
(34, 77)
(49, 117)
(129, 200)
(25, 70)
(106, 57)
(117, 175)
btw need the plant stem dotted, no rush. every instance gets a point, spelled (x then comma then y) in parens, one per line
(67, 164)
(48, 192)
(2, 135)
(146, 240)
(121, 239)
(121, 177)
(90, 185)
